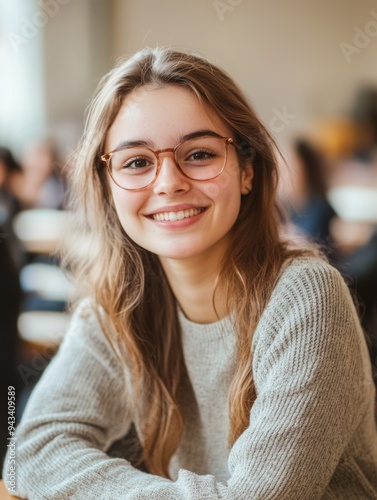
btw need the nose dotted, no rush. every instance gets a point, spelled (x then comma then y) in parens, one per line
(170, 180)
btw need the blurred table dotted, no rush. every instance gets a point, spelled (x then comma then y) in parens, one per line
(47, 281)
(354, 203)
(356, 208)
(43, 327)
(40, 230)
(4, 494)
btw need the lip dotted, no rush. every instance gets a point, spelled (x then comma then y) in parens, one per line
(174, 208)
(177, 224)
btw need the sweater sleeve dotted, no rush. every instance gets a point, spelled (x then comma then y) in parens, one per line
(313, 379)
(77, 410)
(309, 376)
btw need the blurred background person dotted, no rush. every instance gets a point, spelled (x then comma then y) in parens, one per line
(355, 255)
(10, 204)
(43, 185)
(10, 296)
(303, 192)
(348, 236)
(33, 189)
(355, 234)
(365, 119)
(10, 293)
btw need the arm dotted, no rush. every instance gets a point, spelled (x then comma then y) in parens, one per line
(77, 410)
(313, 378)
(310, 381)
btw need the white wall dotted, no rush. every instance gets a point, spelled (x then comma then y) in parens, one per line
(52, 55)
(75, 54)
(284, 53)
(22, 110)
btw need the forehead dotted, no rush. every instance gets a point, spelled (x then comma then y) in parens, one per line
(162, 116)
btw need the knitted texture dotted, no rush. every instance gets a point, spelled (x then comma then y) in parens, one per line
(312, 432)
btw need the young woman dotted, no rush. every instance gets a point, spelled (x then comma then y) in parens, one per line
(211, 358)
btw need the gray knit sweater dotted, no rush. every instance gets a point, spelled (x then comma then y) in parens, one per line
(312, 432)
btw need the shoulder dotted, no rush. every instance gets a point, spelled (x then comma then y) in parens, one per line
(310, 334)
(308, 266)
(309, 281)
(91, 331)
(85, 319)
(310, 304)
(88, 310)
(89, 317)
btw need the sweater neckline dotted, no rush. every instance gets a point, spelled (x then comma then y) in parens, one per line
(206, 331)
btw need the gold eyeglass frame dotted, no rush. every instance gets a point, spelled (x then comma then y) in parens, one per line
(107, 157)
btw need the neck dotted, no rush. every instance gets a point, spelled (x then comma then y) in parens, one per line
(193, 283)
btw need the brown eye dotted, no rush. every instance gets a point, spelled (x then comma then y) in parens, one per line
(137, 163)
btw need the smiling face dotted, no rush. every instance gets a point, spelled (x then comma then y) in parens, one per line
(176, 217)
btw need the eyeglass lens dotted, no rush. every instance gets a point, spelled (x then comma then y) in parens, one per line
(201, 158)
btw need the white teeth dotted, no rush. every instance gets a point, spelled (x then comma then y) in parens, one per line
(181, 214)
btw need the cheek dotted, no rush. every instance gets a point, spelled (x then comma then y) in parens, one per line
(127, 206)
(226, 195)
(226, 191)
(227, 184)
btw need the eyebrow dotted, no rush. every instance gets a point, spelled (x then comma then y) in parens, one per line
(191, 135)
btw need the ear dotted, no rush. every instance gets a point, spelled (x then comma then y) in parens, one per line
(247, 175)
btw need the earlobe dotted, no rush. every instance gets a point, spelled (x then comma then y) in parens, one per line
(247, 178)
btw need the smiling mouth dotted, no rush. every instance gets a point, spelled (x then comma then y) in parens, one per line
(180, 215)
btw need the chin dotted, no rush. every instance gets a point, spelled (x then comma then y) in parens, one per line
(177, 254)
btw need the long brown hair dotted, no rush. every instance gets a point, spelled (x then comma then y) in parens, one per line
(128, 283)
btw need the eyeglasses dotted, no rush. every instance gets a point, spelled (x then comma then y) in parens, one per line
(137, 167)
